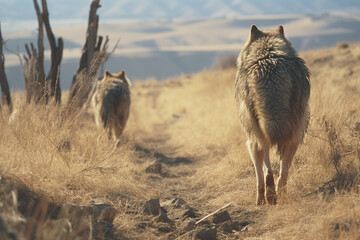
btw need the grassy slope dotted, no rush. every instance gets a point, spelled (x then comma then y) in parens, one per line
(194, 117)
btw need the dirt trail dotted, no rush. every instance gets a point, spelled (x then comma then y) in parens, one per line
(183, 172)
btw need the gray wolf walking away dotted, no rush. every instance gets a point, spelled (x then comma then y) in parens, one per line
(111, 103)
(272, 90)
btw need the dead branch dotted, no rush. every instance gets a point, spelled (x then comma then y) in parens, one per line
(56, 56)
(28, 50)
(5, 91)
(90, 61)
(27, 73)
(213, 213)
(108, 54)
(33, 49)
(40, 87)
(91, 36)
(37, 85)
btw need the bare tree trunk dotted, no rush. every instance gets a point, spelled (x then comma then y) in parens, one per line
(5, 91)
(41, 93)
(37, 85)
(56, 56)
(91, 36)
(30, 71)
(91, 58)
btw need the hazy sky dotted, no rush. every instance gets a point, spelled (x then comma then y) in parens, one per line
(19, 15)
(23, 9)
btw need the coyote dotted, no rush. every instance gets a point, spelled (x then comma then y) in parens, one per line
(272, 90)
(111, 102)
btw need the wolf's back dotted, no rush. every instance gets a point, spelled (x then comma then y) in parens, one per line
(277, 90)
(115, 96)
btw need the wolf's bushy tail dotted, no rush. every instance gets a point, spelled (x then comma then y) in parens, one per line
(276, 131)
(274, 113)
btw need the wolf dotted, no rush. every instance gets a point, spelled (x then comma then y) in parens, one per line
(111, 103)
(272, 90)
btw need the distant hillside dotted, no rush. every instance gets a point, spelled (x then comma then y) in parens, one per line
(166, 48)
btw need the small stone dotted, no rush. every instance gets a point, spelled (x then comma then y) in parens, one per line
(189, 225)
(206, 234)
(163, 217)
(154, 167)
(165, 227)
(177, 208)
(221, 216)
(152, 207)
(189, 212)
(227, 227)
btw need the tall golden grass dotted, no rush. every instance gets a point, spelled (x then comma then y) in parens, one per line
(194, 117)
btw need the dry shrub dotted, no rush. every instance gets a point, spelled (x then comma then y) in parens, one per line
(70, 160)
(84, 84)
(343, 157)
(60, 158)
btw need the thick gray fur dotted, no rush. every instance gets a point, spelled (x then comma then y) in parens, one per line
(272, 90)
(111, 102)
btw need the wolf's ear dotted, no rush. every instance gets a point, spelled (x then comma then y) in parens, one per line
(254, 33)
(107, 74)
(280, 30)
(124, 78)
(121, 74)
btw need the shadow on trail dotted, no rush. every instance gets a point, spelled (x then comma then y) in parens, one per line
(162, 157)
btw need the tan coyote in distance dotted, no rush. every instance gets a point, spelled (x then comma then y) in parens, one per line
(111, 103)
(272, 90)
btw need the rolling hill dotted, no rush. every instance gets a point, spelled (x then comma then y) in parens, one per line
(166, 48)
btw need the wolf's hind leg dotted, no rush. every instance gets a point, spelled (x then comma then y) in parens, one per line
(109, 131)
(269, 178)
(285, 162)
(118, 132)
(257, 156)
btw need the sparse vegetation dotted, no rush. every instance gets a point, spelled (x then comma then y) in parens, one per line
(189, 126)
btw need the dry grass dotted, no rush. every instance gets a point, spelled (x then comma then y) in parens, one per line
(194, 119)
